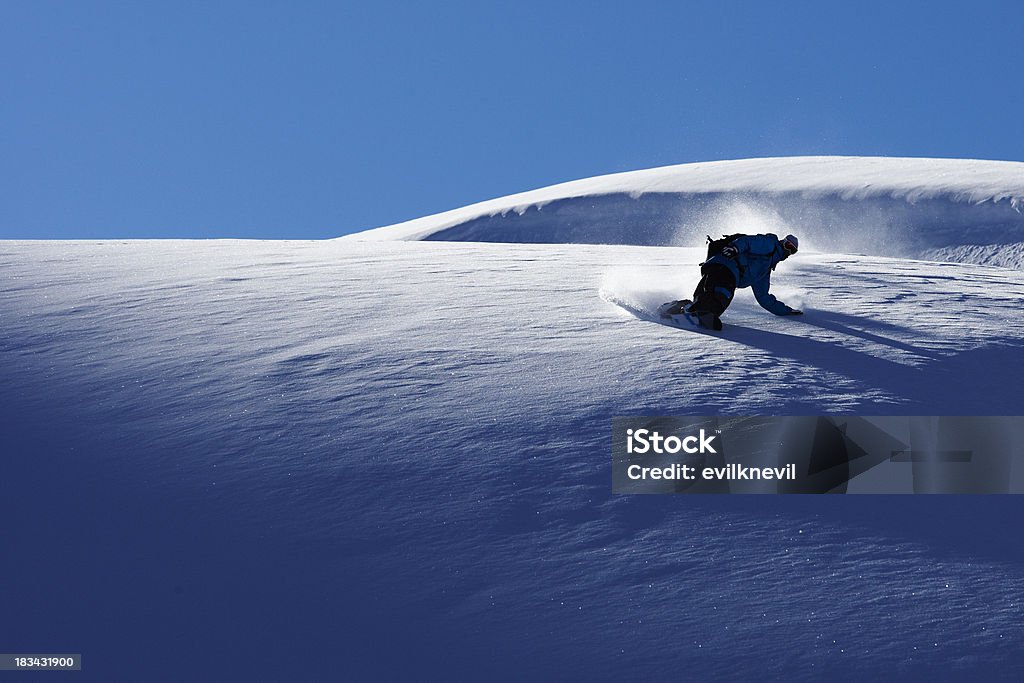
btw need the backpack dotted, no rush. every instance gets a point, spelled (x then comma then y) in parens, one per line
(715, 247)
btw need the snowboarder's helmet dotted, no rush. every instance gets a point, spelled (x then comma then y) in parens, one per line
(790, 244)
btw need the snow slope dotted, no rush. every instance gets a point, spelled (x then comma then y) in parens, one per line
(944, 209)
(387, 456)
(391, 459)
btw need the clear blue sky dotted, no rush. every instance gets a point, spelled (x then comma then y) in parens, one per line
(301, 119)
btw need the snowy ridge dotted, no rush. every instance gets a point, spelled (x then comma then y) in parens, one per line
(1000, 255)
(920, 208)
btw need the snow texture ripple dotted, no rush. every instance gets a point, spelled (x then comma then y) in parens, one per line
(392, 459)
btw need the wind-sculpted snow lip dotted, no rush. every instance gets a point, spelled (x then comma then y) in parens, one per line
(919, 208)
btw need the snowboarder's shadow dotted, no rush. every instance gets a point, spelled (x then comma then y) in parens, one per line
(852, 326)
(976, 379)
(921, 377)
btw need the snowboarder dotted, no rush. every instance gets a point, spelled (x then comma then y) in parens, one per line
(735, 261)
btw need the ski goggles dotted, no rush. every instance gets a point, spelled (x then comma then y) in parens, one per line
(789, 247)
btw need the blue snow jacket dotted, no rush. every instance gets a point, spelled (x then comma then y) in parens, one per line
(756, 258)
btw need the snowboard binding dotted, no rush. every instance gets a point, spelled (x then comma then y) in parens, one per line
(684, 308)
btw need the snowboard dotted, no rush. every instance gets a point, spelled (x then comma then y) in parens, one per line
(642, 312)
(706, 321)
